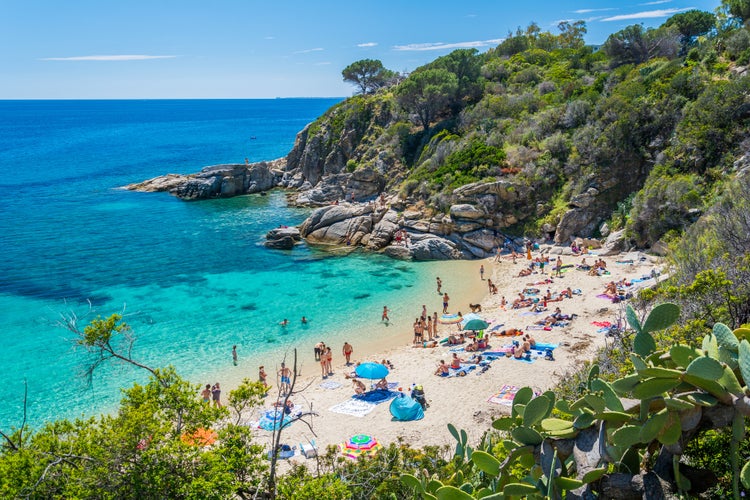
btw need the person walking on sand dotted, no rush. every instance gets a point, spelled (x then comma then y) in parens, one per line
(347, 351)
(284, 380)
(234, 355)
(481, 271)
(216, 394)
(439, 284)
(385, 317)
(445, 303)
(262, 376)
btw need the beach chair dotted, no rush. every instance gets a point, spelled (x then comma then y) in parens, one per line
(308, 450)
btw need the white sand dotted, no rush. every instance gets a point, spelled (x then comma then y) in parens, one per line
(463, 401)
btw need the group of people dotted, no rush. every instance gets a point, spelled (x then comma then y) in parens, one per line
(425, 326)
(212, 393)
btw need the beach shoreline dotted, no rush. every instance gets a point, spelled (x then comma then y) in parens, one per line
(465, 401)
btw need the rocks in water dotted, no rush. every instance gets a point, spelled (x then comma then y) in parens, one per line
(217, 181)
(282, 238)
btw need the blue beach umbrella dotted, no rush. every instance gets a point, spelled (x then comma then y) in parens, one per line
(371, 370)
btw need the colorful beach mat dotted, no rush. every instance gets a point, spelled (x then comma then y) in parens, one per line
(505, 396)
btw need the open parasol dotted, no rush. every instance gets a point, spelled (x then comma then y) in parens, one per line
(361, 444)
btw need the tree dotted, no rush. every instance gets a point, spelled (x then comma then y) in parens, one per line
(466, 65)
(691, 25)
(368, 75)
(634, 45)
(738, 8)
(426, 93)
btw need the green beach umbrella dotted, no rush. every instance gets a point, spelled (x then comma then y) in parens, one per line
(476, 324)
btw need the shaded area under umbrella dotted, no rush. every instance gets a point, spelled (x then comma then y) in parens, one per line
(371, 370)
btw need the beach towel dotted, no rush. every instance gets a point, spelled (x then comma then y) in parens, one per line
(541, 346)
(270, 420)
(461, 372)
(535, 327)
(602, 324)
(353, 407)
(330, 384)
(505, 396)
(376, 396)
(496, 327)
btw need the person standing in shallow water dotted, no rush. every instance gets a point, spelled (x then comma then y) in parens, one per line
(385, 315)
(481, 271)
(439, 284)
(234, 355)
(445, 303)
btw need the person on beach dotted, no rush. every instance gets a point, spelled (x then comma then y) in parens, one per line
(558, 267)
(319, 349)
(417, 331)
(385, 317)
(442, 369)
(284, 379)
(456, 361)
(359, 387)
(503, 303)
(439, 284)
(262, 377)
(428, 330)
(382, 385)
(424, 312)
(489, 285)
(234, 355)
(206, 394)
(499, 251)
(347, 350)
(481, 271)
(216, 394)
(445, 303)
(434, 324)
(329, 361)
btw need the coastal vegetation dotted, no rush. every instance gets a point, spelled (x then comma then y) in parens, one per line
(656, 120)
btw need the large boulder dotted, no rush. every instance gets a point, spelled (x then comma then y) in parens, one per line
(431, 247)
(283, 238)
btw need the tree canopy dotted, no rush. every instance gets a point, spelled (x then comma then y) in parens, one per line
(427, 93)
(368, 75)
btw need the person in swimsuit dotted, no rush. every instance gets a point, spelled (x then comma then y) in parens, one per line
(216, 393)
(347, 351)
(285, 382)
(234, 355)
(206, 394)
(439, 284)
(385, 314)
(445, 303)
(262, 376)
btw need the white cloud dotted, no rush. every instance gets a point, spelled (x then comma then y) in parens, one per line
(131, 57)
(269, 38)
(657, 2)
(324, 63)
(588, 11)
(649, 14)
(307, 51)
(443, 46)
(367, 44)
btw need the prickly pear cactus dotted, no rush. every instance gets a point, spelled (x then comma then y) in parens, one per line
(660, 404)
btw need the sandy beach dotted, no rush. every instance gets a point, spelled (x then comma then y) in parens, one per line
(464, 401)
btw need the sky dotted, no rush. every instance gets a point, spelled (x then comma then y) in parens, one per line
(179, 49)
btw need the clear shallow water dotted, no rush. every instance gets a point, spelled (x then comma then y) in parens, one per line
(193, 278)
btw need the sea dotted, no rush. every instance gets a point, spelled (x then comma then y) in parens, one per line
(191, 279)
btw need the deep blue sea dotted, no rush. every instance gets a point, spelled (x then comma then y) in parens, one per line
(191, 277)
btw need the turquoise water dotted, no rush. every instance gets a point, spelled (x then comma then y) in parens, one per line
(192, 279)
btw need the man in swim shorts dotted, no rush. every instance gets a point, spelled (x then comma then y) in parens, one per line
(284, 374)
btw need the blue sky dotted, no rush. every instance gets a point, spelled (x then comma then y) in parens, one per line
(138, 49)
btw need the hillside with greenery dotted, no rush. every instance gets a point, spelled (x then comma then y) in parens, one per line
(656, 122)
(646, 127)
